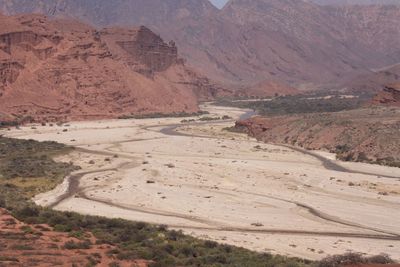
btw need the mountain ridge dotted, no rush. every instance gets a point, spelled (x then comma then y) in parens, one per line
(248, 42)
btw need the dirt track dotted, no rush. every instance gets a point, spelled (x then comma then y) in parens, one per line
(226, 187)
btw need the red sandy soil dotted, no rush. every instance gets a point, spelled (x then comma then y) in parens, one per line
(38, 245)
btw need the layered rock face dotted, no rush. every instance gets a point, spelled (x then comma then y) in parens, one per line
(148, 49)
(63, 69)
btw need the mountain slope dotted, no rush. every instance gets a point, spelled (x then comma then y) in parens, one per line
(249, 41)
(374, 81)
(356, 2)
(63, 69)
(374, 26)
(117, 12)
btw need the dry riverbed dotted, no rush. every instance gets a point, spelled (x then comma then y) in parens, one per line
(224, 186)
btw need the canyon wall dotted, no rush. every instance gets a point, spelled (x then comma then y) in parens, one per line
(63, 69)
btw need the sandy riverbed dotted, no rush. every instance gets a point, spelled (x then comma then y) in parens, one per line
(226, 187)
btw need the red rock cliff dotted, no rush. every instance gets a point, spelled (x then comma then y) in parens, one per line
(63, 69)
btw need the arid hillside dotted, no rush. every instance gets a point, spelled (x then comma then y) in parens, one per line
(63, 69)
(366, 135)
(373, 81)
(299, 41)
(250, 41)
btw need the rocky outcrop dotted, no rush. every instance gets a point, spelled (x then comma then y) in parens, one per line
(17, 38)
(65, 70)
(9, 71)
(367, 135)
(390, 96)
(150, 52)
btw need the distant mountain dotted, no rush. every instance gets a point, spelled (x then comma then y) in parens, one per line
(374, 81)
(117, 12)
(357, 2)
(250, 41)
(299, 41)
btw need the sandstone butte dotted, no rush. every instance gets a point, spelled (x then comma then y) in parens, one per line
(62, 69)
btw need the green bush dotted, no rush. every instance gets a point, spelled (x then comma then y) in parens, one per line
(77, 245)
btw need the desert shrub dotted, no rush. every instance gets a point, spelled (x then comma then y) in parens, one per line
(353, 258)
(342, 149)
(210, 244)
(22, 247)
(6, 258)
(311, 103)
(28, 211)
(380, 259)
(77, 245)
(206, 118)
(362, 157)
(338, 260)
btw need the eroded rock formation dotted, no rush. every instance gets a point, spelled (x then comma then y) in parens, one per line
(63, 70)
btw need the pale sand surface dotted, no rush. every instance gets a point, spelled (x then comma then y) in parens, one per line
(226, 187)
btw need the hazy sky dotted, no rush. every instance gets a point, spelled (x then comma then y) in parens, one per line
(219, 3)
